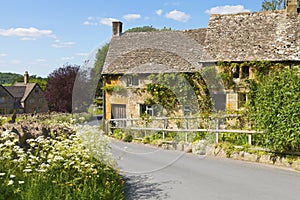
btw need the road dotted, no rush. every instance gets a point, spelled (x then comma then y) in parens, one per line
(152, 173)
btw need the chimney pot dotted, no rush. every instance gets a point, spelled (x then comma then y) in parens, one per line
(117, 28)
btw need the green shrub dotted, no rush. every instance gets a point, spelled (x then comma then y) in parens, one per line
(146, 140)
(127, 137)
(275, 107)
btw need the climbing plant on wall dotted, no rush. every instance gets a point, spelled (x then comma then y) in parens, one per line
(275, 109)
(173, 90)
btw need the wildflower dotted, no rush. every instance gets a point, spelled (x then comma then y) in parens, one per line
(2, 174)
(27, 170)
(12, 176)
(10, 182)
(21, 182)
(41, 170)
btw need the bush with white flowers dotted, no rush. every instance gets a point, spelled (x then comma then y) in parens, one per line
(76, 166)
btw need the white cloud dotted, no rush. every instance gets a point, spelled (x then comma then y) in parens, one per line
(178, 16)
(107, 21)
(59, 44)
(3, 54)
(27, 39)
(227, 9)
(40, 60)
(91, 21)
(25, 32)
(16, 62)
(67, 58)
(130, 17)
(82, 54)
(158, 12)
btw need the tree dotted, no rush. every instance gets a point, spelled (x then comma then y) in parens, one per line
(59, 88)
(275, 109)
(98, 66)
(274, 4)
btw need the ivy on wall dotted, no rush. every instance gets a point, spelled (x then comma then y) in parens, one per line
(173, 90)
(260, 69)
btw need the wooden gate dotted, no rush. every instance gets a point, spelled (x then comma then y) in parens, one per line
(118, 111)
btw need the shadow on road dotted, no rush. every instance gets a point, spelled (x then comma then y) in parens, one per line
(143, 187)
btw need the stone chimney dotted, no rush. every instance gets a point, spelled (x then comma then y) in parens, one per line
(117, 28)
(26, 77)
(292, 7)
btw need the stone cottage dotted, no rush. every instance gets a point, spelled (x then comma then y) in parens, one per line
(27, 97)
(258, 36)
(6, 101)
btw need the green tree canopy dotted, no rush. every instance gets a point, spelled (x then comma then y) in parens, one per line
(274, 4)
(275, 109)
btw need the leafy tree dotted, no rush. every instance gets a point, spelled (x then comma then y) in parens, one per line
(147, 29)
(142, 29)
(274, 4)
(59, 88)
(37, 79)
(275, 108)
(96, 71)
(9, 78)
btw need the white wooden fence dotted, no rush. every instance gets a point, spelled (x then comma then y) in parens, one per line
(184, 125)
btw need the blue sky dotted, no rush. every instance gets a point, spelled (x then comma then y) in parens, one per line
(39, 36)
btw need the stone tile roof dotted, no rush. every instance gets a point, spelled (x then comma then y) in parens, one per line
(4, 91)
(21, 90)
(270, 36)
(172, 51)
(273, 36)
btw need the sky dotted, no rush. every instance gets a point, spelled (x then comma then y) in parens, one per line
(40, 36)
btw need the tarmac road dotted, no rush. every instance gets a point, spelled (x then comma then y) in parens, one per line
(152, 173)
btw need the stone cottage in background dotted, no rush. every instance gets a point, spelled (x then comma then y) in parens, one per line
(6, 101)
(23, 97)
(272, 36)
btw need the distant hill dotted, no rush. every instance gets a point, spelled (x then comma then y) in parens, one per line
(9, 78)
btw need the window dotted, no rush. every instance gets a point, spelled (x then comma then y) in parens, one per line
(187, 110)
(132, 81)
(236, 72)
(242, 99)
(2, 99)
(147, 110)
(245, 72)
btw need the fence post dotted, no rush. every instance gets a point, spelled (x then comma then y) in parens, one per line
(187, 128)
(250, 139)
(217, 133)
